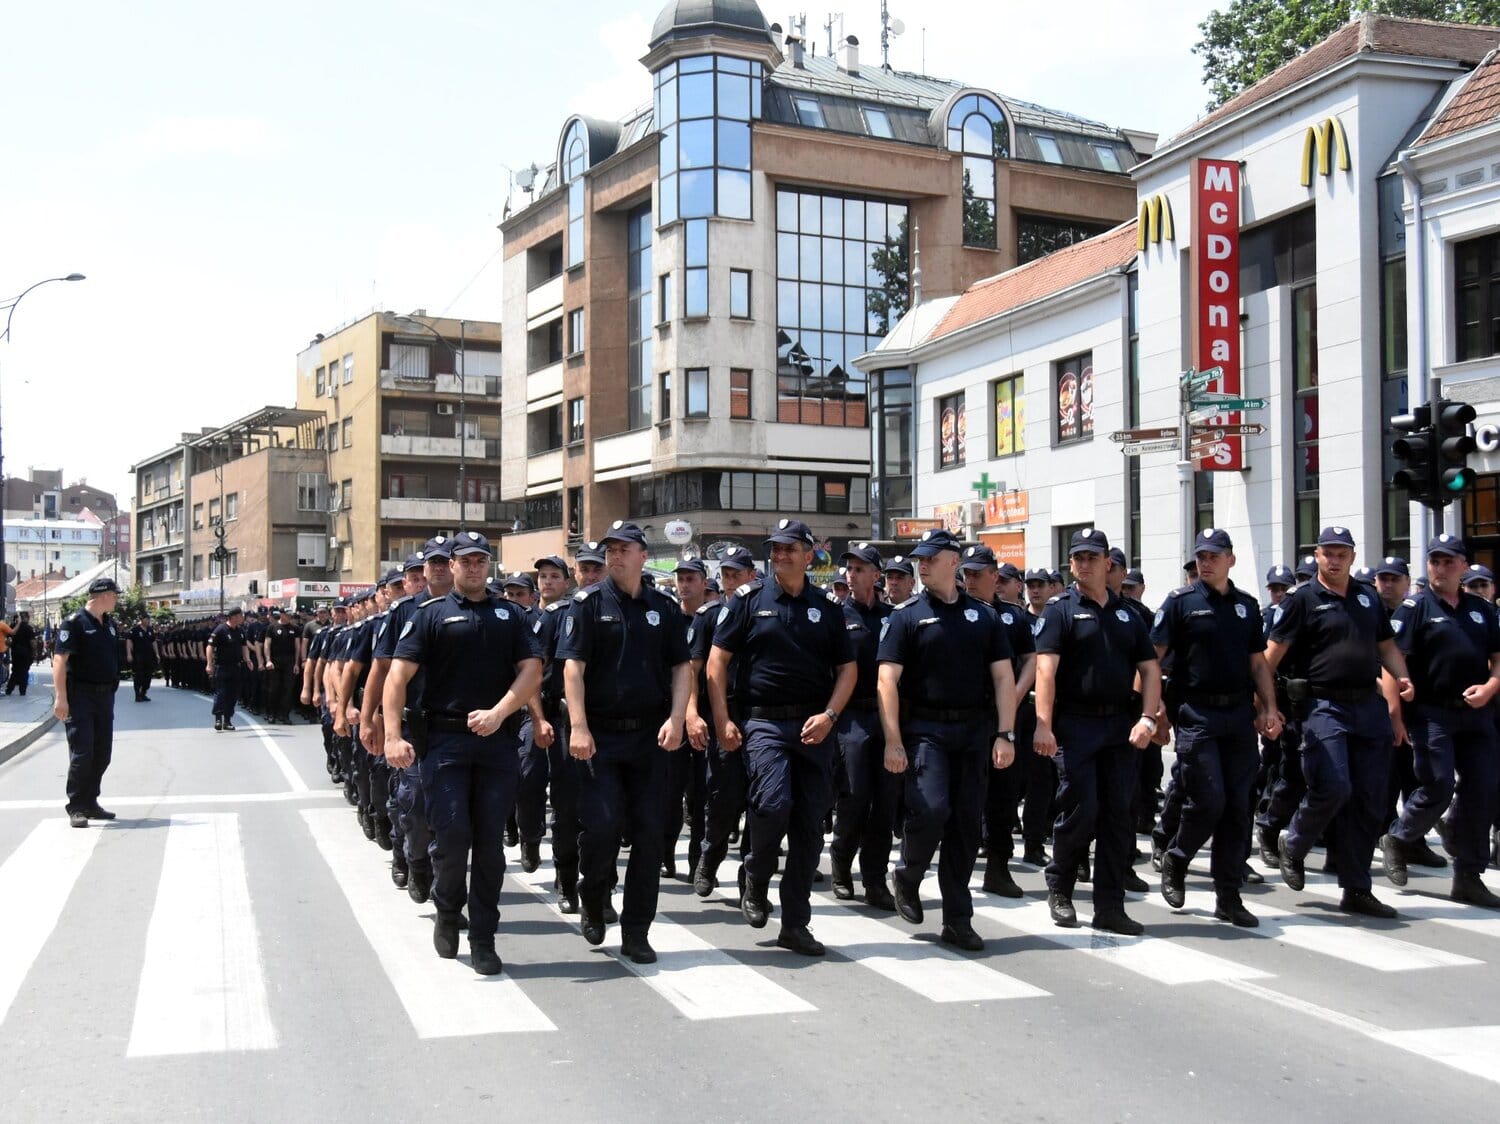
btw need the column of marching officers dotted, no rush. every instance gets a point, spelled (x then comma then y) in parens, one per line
(946, 716)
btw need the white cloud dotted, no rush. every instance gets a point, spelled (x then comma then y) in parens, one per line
(625, 85)
(241, 138)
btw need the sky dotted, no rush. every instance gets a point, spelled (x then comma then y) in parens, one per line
(234, 179)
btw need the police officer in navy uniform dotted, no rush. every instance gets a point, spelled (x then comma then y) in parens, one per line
(726, 785)
(1335, 636)
(1280, 777)
(686, 781)
(627, 675)
(1451, 640)
(282, 667)
(1219, 673)
(85, 676)
(1091, 652)
(795, 672)
(948, 707)
(539, 731)
(140, 652)
(225, 664)
(868, 793)
(900, 579)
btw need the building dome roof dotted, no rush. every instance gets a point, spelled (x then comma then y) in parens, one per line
(682, 19)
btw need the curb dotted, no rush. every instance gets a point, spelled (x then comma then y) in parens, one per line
(39, 730)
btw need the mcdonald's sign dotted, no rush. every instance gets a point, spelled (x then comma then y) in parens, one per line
(1155, 223)
(1324, 146)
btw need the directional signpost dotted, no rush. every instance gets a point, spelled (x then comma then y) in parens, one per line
(1194, 380)
(1225, 404)
(1131, 436)
(1248, 429)
(1136, 448)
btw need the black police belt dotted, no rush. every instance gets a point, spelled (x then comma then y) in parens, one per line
(624, 725)
(780, 713)
(1215, 701)
(950, 714)
(83, 685)
(1459, 703)
(446, 722)
(1093, 710)
(1343, 694)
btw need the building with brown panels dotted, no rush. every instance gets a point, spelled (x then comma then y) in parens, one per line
(413, 448)
(693, 281)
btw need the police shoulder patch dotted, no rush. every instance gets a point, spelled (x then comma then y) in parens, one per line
(1409, 603)
(912, 600)
(406, 629)
(1397, 624)
(748, 588)
(585, 593)
(707, 607)
(723, 615)
(555, 606)
(885, 626)
(1161, 615)
(429, 601)
(537, 627)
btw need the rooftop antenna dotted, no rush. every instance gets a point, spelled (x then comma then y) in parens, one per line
(834, 18)
(890, 28)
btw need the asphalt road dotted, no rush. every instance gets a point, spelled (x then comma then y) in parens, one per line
(232, 948)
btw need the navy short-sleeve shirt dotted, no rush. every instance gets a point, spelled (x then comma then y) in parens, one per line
(89, 644)
(1099, 645)
(471, 651)
(864, 626)
(228, 645)
(945, 650)
(1448, 647)
(789, 647)
(1332, 639)
(1207, 633)
(629, 646)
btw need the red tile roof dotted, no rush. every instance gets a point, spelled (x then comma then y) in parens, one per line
(1476, 103)
(1370, 34)
(1059, 270)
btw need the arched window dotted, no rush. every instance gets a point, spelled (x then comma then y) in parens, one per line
(575, 161)
(977, 128)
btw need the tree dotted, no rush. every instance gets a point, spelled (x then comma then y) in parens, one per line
(130, 607)
(1249, 39)
(979, 216)
(889, 303)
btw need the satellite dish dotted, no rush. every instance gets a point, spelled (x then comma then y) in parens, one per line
(897, 26)
(526, 178)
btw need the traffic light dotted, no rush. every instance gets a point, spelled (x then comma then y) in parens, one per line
(1452, 475)
(1415, 452)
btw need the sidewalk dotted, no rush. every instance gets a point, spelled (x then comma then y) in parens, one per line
(23, 720)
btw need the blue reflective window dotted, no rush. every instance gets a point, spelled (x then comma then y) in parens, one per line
(694, 64)
(809, 112)
(696, 144)
(667, 207)
(695, 292)
(734, 145)
(734, 194)
(667, 96)
(734, 96)
(704, 106)
(695, 194)
(695, 244)
(695, 95)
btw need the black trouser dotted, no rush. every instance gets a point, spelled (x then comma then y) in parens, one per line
(1215, 769)
(1100, 774)
(790, 791)
(91, 731)
(621, 787)
(946, 777)
(864, 815)
(282, 690)
(19, 671)
(1029, 778)
(531, 789)
(728, 787)
(226, 690)
(141, 672)
(686, 781)
(562, 773)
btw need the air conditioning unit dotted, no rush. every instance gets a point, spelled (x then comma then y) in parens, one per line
(445, 408)
(973, 515)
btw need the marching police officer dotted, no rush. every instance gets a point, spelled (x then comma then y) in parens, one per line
(1335, 636)
(900, 579)
(1451, 640)
(946, 656)
(865, 812)
(282, 666)
(85, 676)
(1213, 633)
(1091, 650)
(686, 776)
(140, 653)
(481, 665)
(1280, 777)
(226, 659)
(795, 672)
(627, 677)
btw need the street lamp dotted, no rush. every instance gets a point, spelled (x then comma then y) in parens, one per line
(10, 305)
(459, 362)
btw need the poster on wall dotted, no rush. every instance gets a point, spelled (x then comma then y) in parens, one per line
(952, 433)
(1010, 417)
(1075, 399)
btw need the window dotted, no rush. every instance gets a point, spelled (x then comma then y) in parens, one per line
(978, 129)
(214, 513)
(321, 383)
(544, 345)
(809, 112)
(638, 274)
(575, 512)
(1010, 416)
(695, 381)
(232, 563)
(320, 438)
(410, 423)
(841, 283)
(407, 486)
(877, 121)
(1037, 236)
(1476, 276)
(664, 297)
(346, 495)
(575, 420)
(348, 370)
(544, 430)
(739, 394)
(312, 491)
(575, 331)
(1305, 413)
(951, 431)
(1047, 146)
(695, 283)
(1281, 252)
(1203, 500)
(664, 382)
(214, 567)
(197, 517)
(312, 551)
(780, 492)
(1074, 384)
(704, 106)
(409, 361)
(348, 433)
(231, 507)
(573, 162)
(197, 567)
(1109, 159)
(739, 293)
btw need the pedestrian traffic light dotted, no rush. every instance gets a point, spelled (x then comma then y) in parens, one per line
(1452, 475)
(1415, 453)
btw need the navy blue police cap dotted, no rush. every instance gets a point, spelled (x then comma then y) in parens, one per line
(1280, 575)
(1213, 540)
(1477, 573)
(1134, 577)
(413, 561)
(439, 546)
(791, 532)
(1335, 536)
(551, 560)
(691, 566)
(737, 558)
(1009, 572)
(622, 531)
(1443, 544)
(862, 552)
(899, 564)
(1117, 558)
(933, 543)
(977, 558)
(590, 552)
(1090, 540)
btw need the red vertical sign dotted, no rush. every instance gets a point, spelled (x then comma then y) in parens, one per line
(1216, 292)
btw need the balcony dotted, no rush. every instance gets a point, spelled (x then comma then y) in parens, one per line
(475, 386)
(434, 512)
(544, 468)
(546, 297)
(544, 383)
(474, 448)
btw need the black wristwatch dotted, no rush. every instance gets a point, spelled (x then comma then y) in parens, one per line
(1008, 735)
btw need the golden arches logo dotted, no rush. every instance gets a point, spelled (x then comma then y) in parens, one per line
(1328, 145)
(1155, 222)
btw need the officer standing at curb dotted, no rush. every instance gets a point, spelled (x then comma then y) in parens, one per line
(1335, 636)
(946, 661)
(864, 819)
(1451, 640)
(795, 673)
(282, 667)
(1091, 650)
(1213, 633)
(482, 664)
(85, 676)
(225, 664)
(140, 653)
(627, 676)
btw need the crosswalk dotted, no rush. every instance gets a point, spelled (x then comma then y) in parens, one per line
(205, 988)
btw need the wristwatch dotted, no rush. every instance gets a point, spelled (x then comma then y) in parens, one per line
(1008, 735)
(833, 715)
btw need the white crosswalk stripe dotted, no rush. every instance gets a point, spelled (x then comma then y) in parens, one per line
(202, 985)
(41, 872)
(1421, 907)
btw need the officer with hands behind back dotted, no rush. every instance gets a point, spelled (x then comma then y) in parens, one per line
(85, 676)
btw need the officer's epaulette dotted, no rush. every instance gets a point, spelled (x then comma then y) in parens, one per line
(1055, 600)
(586, 592)
(749, 588)
(428, 602)
(1171, 593)
(912, 600)
(707, 605)
(831, 595)
(554, 607)
(1409, 603)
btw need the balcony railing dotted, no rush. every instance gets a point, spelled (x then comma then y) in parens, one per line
(475, 448)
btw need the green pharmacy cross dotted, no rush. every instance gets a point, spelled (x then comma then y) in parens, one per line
(985, 486)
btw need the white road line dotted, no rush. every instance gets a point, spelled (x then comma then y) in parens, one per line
(1473, 1049)
(1168, 962)
(1330, 937)
(203, 987)
(443, 998)
(1423, 907)
(699, 980)
(167, 801)
(293, 778)
(36, 880)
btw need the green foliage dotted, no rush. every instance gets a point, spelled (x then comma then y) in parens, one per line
(1249, 39)
(979, 217)
(130, 607)
(889, 303)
